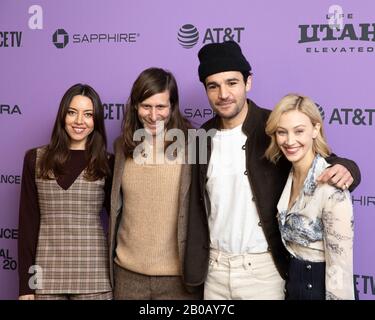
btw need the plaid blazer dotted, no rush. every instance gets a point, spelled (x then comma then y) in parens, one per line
(72, 248)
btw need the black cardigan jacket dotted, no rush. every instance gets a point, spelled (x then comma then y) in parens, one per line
(267, 182)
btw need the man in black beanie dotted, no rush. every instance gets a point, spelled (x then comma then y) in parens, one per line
(234, 246)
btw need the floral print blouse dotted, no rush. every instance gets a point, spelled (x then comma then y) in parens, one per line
(319, 227)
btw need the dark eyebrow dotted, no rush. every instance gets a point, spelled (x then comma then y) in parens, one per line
(211, 83)
(157, 105)
(232, 79)
(75, 109)
(226, 81)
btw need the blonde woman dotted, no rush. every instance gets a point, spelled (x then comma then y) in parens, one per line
(315, 220)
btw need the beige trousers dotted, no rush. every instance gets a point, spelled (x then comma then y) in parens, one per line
(243, 277)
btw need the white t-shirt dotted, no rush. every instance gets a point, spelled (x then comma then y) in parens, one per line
(234, 219)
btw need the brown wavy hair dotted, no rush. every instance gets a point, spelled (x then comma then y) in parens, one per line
(56, 154)
(150, 82)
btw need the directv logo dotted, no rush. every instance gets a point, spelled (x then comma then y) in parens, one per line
(188, 36)
(60, 38)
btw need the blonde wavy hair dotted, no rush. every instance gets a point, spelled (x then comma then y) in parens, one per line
(308, 107)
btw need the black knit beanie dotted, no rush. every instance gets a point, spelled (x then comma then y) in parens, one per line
(221, 57)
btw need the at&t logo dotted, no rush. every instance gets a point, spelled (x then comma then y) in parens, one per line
(188, 35)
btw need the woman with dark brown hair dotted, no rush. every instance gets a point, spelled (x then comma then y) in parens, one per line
(150, 197)
(65, 186)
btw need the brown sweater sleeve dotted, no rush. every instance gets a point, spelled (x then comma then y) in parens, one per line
(29, 220)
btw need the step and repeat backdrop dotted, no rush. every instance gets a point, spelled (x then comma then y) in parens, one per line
(322, 49)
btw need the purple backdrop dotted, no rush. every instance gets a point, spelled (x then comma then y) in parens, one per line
(46, 49)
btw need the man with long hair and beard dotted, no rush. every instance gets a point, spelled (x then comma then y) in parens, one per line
(150, 197)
